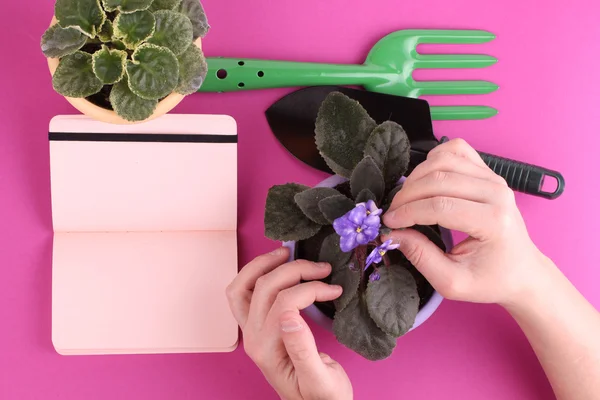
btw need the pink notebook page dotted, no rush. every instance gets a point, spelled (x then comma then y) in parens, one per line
(145, 235)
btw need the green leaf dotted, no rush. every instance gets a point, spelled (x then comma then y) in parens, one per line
(354, 328)
(153, 73)
(338, 169)
(367, 175)
(106, 32)
(173, 31)
(390, 148)
(119, 45)
(308, 201)
(164, 5)
(431, 234)
(109, 65)
(392, 194)
(348, 277)
(342, 129)
(86, 16)
(74, 76)
(335, 206)
(365, 195)
(129, 106)
(126, 6)
(59, 42)
(134, 28)
(332, 253)
(192, 70)
(195, 12)
(393, 300)
(283, 218)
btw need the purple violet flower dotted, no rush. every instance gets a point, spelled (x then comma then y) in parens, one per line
(358, 226)
(377, 254)
(374, 276)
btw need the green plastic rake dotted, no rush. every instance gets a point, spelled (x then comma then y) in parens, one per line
(388, 69)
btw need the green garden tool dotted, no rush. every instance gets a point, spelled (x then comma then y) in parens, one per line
(388, 69)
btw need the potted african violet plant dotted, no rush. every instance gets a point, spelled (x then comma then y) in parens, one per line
(339, 222)
(126, 61)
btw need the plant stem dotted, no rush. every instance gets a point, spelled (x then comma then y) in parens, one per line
(386, 260)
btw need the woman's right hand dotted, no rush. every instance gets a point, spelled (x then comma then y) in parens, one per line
(454, 188)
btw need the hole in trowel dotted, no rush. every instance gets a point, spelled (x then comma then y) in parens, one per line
(241, 63)
(241, 84)
(260, 74)
(222, 74)
(549, 184)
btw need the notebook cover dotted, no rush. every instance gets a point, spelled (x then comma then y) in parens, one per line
(145, 235)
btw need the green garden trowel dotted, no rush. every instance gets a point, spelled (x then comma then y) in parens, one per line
(388, 69)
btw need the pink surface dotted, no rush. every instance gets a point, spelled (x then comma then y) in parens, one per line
(548, 101)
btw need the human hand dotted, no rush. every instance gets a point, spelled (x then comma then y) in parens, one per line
(454, 188)
(266, 298)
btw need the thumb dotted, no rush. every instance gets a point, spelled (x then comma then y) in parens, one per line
(300, 345)
(428, 258)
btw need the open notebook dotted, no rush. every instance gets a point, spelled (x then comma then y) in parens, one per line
(144, 235)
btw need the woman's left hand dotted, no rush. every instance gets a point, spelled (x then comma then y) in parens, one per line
(266, 298)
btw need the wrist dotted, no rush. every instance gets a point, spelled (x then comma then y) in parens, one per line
(538, 285)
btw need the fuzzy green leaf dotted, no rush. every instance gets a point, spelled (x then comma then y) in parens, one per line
(106, 32)
(173, 31)
(390, 148)
(126, 6)
(365, 195)
(332, 253)
(192, 70)
(393, 300)
(59, 42)
(354, 328)
(134, 28)
(74, 76)
(367, 175)
(342, 129)
(283, 218)
(164, 5)
(195, 12)
(86, 16)
(431, 235)
(348, 277)
(109, 65)
(153, 73)
(308, 201)
(335, 206)
(129, 106)
(392, 194)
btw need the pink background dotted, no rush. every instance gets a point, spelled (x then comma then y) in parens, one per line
(548, 73)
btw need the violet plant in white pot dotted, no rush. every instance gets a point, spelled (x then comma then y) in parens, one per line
(339, 222)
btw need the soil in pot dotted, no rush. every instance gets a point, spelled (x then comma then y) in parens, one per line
(309, 250)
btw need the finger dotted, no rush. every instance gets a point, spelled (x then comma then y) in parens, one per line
(449, 184)
(450, 162)
(300, 346)
(270, 285)
(239, 292)
(460, 148)
(444, 273)
(458, 214)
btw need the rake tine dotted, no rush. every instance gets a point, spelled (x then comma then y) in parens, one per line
(447, 113)
(425, 88)
(437, 36)
(454, 61)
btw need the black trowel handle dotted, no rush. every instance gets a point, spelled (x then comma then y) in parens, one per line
(525, 178)
(522, 177)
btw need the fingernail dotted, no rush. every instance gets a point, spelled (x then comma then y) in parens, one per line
(291, 325)
(277, 252)
(322, 265)
(337, 288)
(389, 215)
